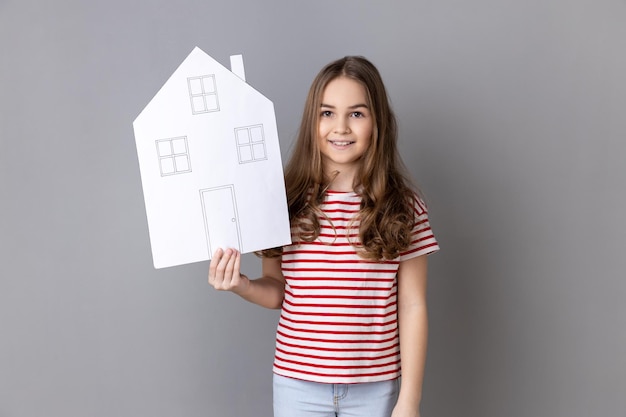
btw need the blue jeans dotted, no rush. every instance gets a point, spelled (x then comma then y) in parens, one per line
(297, 398)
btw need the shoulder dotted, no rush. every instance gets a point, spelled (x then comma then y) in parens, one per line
(419, 204)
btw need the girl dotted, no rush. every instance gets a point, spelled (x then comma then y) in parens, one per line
(352, 286)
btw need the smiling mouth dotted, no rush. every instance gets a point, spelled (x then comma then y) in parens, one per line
(341, 142)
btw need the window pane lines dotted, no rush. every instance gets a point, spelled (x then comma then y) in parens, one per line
(173, 156)
(203, 94)
(250, 144)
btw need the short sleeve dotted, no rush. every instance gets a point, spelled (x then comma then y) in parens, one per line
(423, 240)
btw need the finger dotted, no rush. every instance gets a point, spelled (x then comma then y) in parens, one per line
(238, 263)
(215, 260)
(230, 271)
(221, 272)
(242, 279)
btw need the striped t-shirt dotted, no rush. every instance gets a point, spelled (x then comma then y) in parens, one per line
(338, 322)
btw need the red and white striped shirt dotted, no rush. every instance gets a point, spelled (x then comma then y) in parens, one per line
(338, 322)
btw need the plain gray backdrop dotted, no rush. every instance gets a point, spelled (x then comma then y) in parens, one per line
(513, 121)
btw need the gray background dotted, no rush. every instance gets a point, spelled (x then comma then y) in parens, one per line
(512, 121)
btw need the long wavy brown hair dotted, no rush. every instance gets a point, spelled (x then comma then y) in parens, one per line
(386, 215)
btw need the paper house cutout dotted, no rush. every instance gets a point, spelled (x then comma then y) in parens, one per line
(210, 165)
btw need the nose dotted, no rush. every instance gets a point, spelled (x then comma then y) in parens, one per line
(342, 126)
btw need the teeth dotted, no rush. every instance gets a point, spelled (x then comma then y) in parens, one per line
(341, 143)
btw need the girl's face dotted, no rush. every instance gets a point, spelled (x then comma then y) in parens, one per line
(345, 125)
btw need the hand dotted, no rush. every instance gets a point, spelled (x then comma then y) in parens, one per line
(400, 410)
(224, 272)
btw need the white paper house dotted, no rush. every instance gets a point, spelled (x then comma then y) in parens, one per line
(210, 165)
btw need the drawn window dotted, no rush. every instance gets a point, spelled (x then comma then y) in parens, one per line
(203, 94)
(173, 156)
(250, 143)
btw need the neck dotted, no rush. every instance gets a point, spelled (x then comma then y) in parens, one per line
(342, 180)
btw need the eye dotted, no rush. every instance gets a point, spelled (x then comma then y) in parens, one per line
(357, 114)
(326, 113)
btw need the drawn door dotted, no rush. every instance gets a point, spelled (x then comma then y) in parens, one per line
(220, 218)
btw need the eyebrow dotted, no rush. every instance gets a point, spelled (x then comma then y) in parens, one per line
(356, 106)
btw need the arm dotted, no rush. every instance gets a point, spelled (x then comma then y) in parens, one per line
(413, 326)
(267, 291)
